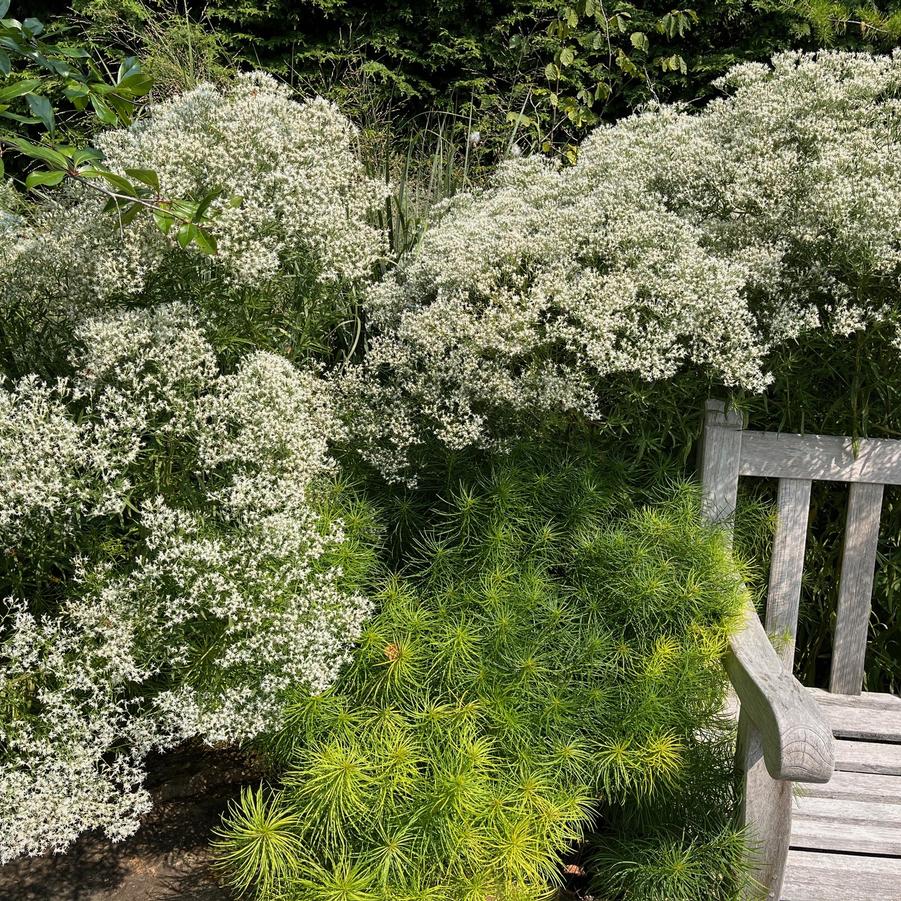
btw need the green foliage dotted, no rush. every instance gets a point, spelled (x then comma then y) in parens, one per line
(261, 841)
(829, 384)
(40, 73)
(536, 71)
(178, 50)
(666, 869)
(549, 662)
(42, 70)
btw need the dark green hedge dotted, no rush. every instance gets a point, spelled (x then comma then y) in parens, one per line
(549, 68)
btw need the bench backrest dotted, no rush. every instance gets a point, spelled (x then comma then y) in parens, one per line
(797, 460)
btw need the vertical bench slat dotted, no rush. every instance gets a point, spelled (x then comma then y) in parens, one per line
(787, 565)
(855, 588)
(720, 457)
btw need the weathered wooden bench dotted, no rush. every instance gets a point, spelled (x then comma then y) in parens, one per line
(837, 835)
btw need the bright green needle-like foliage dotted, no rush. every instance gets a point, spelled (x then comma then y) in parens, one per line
(548, 666)
(667, 868)
(262, 842)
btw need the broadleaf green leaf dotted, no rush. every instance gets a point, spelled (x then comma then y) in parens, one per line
(17, 117)
(204, 204)
(206, 243)
(145, 176)
(135, 85)
(124, 109)
(103, 112)
(73, 52)
(44, 177)
(163, 221)
(118, 183)
(130, 65)
(186, 234)
(640, 40)
(80, 157)
(40, 152)
(19, 89)
(41, 107)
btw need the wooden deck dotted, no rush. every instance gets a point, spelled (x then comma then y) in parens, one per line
(846, 834)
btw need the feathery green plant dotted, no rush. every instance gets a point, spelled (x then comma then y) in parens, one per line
(548, 664)
(667, 868)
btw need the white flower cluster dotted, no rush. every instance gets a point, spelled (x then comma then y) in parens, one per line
(679, 239)
(294, 197)
(40, 450)
(303, 190)
(195, 620)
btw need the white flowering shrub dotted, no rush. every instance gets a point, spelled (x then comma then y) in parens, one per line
(291, 181)
(174, 560)
(679, 240)
(294, 202)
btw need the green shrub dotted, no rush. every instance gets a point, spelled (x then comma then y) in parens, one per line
(176, 560)
(545, 69)
(664, 868)
(548, 664)
(292, 209)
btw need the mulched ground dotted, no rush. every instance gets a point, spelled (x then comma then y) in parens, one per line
(169, 856)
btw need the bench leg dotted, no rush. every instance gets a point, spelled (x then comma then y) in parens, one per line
(766, 813)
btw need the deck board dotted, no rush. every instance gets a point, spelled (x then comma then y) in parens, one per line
(851, 786)
(856, 837)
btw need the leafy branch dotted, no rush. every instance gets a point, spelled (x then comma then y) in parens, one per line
(51, 70)
(127, 196)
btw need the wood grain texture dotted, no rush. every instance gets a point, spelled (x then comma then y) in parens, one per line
(874, 717)
(860, 824)
(796, 739)
(849, 786)
(787, 565)
(766, 813)
(720, 454)
(817, 876)
(868, 757)
(879, 701)
(854, 836)
(782, 455)
(855, 588)
(883, 812)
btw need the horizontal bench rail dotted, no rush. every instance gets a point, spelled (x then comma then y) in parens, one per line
(831, 458)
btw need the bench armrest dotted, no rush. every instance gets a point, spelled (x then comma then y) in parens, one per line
(796, 739)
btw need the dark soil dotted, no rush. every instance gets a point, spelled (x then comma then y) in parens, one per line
(168, 858)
